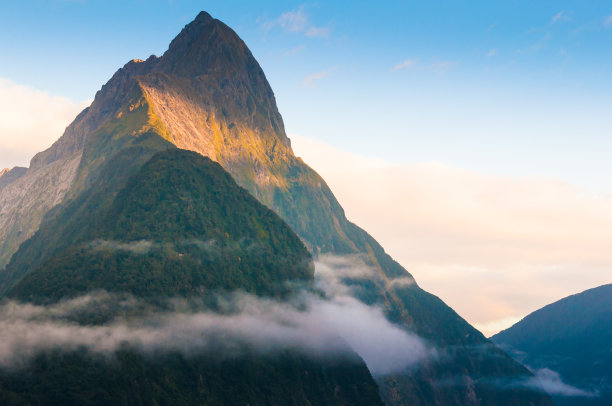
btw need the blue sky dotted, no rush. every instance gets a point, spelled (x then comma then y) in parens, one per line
(480, 130)
(515, 87)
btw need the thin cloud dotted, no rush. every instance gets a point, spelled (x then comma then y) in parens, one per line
(310, 80)
(406, 64)
(607, 21)
(492, 52)
(294, 51)
(537, 46)
(443, 66)
(550, 382)
(317, 32)
(293, 21)
(414, 64)
(297, 21)
(560, 16)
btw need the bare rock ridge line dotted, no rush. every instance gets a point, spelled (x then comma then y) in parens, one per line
(8, 176)
(25, 200)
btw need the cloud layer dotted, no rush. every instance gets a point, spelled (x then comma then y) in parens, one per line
(318, 326)
(494, 248)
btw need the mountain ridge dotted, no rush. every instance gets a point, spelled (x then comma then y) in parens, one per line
(571, 337)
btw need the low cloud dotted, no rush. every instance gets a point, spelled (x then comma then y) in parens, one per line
(31, 120)
(550, 382)
(494, 248)
(543, 380)
(139, 247)
(317, 326)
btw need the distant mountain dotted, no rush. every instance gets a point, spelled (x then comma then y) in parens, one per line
(8, 176)
(208, 94)
(572, 337)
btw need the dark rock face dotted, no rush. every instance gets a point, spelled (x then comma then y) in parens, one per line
(572, 337)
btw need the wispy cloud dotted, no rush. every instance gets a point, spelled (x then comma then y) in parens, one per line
(406, 64)
(297, 21)
(416, 64)
(443, 66)
(560, 16)
(310, 80)
(294, 51)
(317, 32)
(293, 21)
(607, 22)
(492, 52)
(536, 46)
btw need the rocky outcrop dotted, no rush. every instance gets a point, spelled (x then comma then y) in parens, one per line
(8, 176)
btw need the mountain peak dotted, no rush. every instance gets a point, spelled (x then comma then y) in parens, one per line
(203, 17)
(206, 46)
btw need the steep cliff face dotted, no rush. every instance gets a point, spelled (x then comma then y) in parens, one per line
(25, 200)
(208, 94)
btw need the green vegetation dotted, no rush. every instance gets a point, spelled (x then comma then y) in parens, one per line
(196, 228)
(133, 378)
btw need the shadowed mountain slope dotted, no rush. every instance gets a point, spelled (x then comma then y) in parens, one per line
(572, 337)
(208, 94)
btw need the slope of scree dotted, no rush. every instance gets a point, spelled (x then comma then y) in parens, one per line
(178, 226)
(207, 93)
(571, 337)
